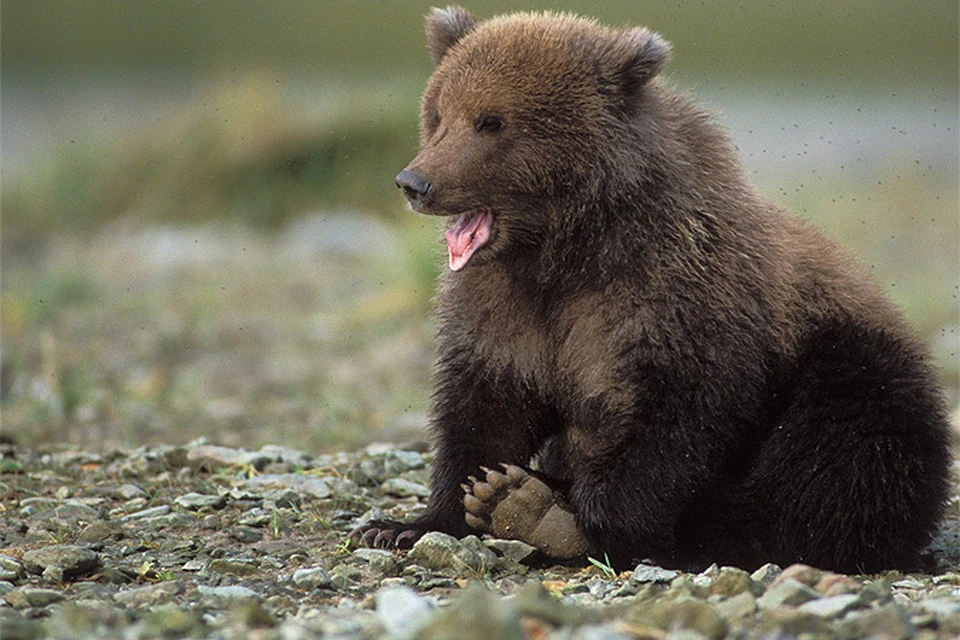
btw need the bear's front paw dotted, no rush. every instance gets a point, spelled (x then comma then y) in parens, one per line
(386, 534)
(519, 506)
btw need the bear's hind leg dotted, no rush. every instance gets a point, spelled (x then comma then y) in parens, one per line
(854, 474)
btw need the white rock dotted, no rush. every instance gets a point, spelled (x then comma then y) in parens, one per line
(402, 611)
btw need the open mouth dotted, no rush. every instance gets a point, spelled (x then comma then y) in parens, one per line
(472, 230)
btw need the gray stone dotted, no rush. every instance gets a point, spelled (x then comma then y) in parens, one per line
(532, 600)
(888, 623)
(402, 611)
(31, 506)
(788, 622)
(239, 568)
(196, 501)
(908, 583)
(98, 531)
(645, 573)
(766, 574)
(196, 564)
(256, 517)
(23, 597)
(437, 550)
(397, 461)
(313, 578)
(731, 581)
(706, 577)
(380, 560)
(833, 606)
(403, 488)
(145, 514)
(149, 595)
(282, 498)
(242, 533)
(10, 569)
(739, 606)
(285, 455)
(211, 458)
(302, 484)
(88, 619)
(682, 613)
(941, 606)
(345, 576)
(233, 592)
(512, 551)
(72, 560)
(69, 511)
(52, 575)
(130, 491)
(789, 592)
(475, 614)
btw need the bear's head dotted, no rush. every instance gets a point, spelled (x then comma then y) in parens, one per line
(523, 123)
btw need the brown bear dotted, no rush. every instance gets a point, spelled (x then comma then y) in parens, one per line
(667, 365)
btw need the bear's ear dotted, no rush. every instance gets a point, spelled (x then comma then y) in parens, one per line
(445, 27)
(640, 54)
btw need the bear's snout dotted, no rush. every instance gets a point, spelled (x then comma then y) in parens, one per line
(415, 187)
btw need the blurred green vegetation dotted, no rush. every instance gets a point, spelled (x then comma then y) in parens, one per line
(233, 259)
(866, 41)
(249, 152)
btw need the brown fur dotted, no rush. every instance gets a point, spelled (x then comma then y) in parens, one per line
(704, 376)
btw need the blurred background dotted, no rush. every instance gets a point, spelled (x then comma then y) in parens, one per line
(201, 236)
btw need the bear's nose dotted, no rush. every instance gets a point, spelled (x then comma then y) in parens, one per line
(414, 186)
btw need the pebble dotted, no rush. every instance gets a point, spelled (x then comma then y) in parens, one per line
(70, 560)
(212, 458)
(196, 501)
(313, 578)
(437, 550)
(233, 592)
(789, 592)
(23, 597)
(397, 461)
(766, 574)
(403, 488)
(10, 569)
(832, 606)
(238, 568)
(649, 574)
(144, 514)
(732, 581)
(130, 491)
(153, 594)
(889, 623)
(739, 606)
(379, 560)
(402, 611)
(309, 485)
(475, 614)
(512, 551)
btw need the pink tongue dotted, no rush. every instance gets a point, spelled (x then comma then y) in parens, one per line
(471, 231)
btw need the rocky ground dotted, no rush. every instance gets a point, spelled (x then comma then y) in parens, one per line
(207, 541)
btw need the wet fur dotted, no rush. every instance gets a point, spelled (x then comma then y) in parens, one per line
(704, 376)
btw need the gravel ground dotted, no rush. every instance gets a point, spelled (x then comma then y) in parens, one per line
(208, 541)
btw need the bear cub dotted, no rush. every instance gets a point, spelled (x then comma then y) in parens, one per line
(639, 356)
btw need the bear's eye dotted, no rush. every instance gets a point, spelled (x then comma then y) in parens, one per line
(434, 119)
(490, 124)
